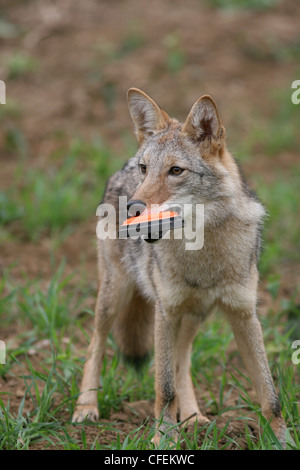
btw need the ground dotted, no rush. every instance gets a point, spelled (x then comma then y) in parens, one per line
(65, 128)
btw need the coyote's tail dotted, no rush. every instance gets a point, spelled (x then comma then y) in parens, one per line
(133, 331)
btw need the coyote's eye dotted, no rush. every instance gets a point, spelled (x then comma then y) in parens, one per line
(175, 170)
(143, 168)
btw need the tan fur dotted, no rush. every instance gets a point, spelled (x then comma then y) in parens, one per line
(164, 291)
(155, 192)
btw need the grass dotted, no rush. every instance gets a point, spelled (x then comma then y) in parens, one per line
(270, 139)
(242, 4)
(19, 65)
(175, 55)
(268, 136)
(49, 379)
(39, 203)
(47, 311)
(282, 228)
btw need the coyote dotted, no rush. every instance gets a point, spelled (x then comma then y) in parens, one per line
(161, 292)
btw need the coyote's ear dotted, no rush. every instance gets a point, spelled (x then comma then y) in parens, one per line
(203, 123)
(147, 116)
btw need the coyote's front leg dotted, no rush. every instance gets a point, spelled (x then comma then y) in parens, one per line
(187, 402)
(113, 292)
(166, 330)
(248, 335)
(87, 403)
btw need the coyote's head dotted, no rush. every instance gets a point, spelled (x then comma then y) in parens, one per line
(180, 163)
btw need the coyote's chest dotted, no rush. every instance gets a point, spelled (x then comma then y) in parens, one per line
(201, 269)
(197, 279)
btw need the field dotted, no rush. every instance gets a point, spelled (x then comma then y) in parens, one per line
(64, 129)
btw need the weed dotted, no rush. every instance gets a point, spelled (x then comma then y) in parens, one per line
(243, 4)
(175, 56)
(20, 64)
(48, 311)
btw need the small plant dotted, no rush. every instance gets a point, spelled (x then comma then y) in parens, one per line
(49, 310)
(175, 56)
(243, 4)
(20, 64)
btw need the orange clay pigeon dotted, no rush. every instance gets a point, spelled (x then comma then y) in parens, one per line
(150, 226)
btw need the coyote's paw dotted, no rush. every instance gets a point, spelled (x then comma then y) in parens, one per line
(165, 430)
(85, 412)
(279, 428)
(199, 418)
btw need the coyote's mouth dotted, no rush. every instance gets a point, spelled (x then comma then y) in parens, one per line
(158, 236)
(150, 226)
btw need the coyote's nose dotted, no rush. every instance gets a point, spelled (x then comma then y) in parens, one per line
(135, 208)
